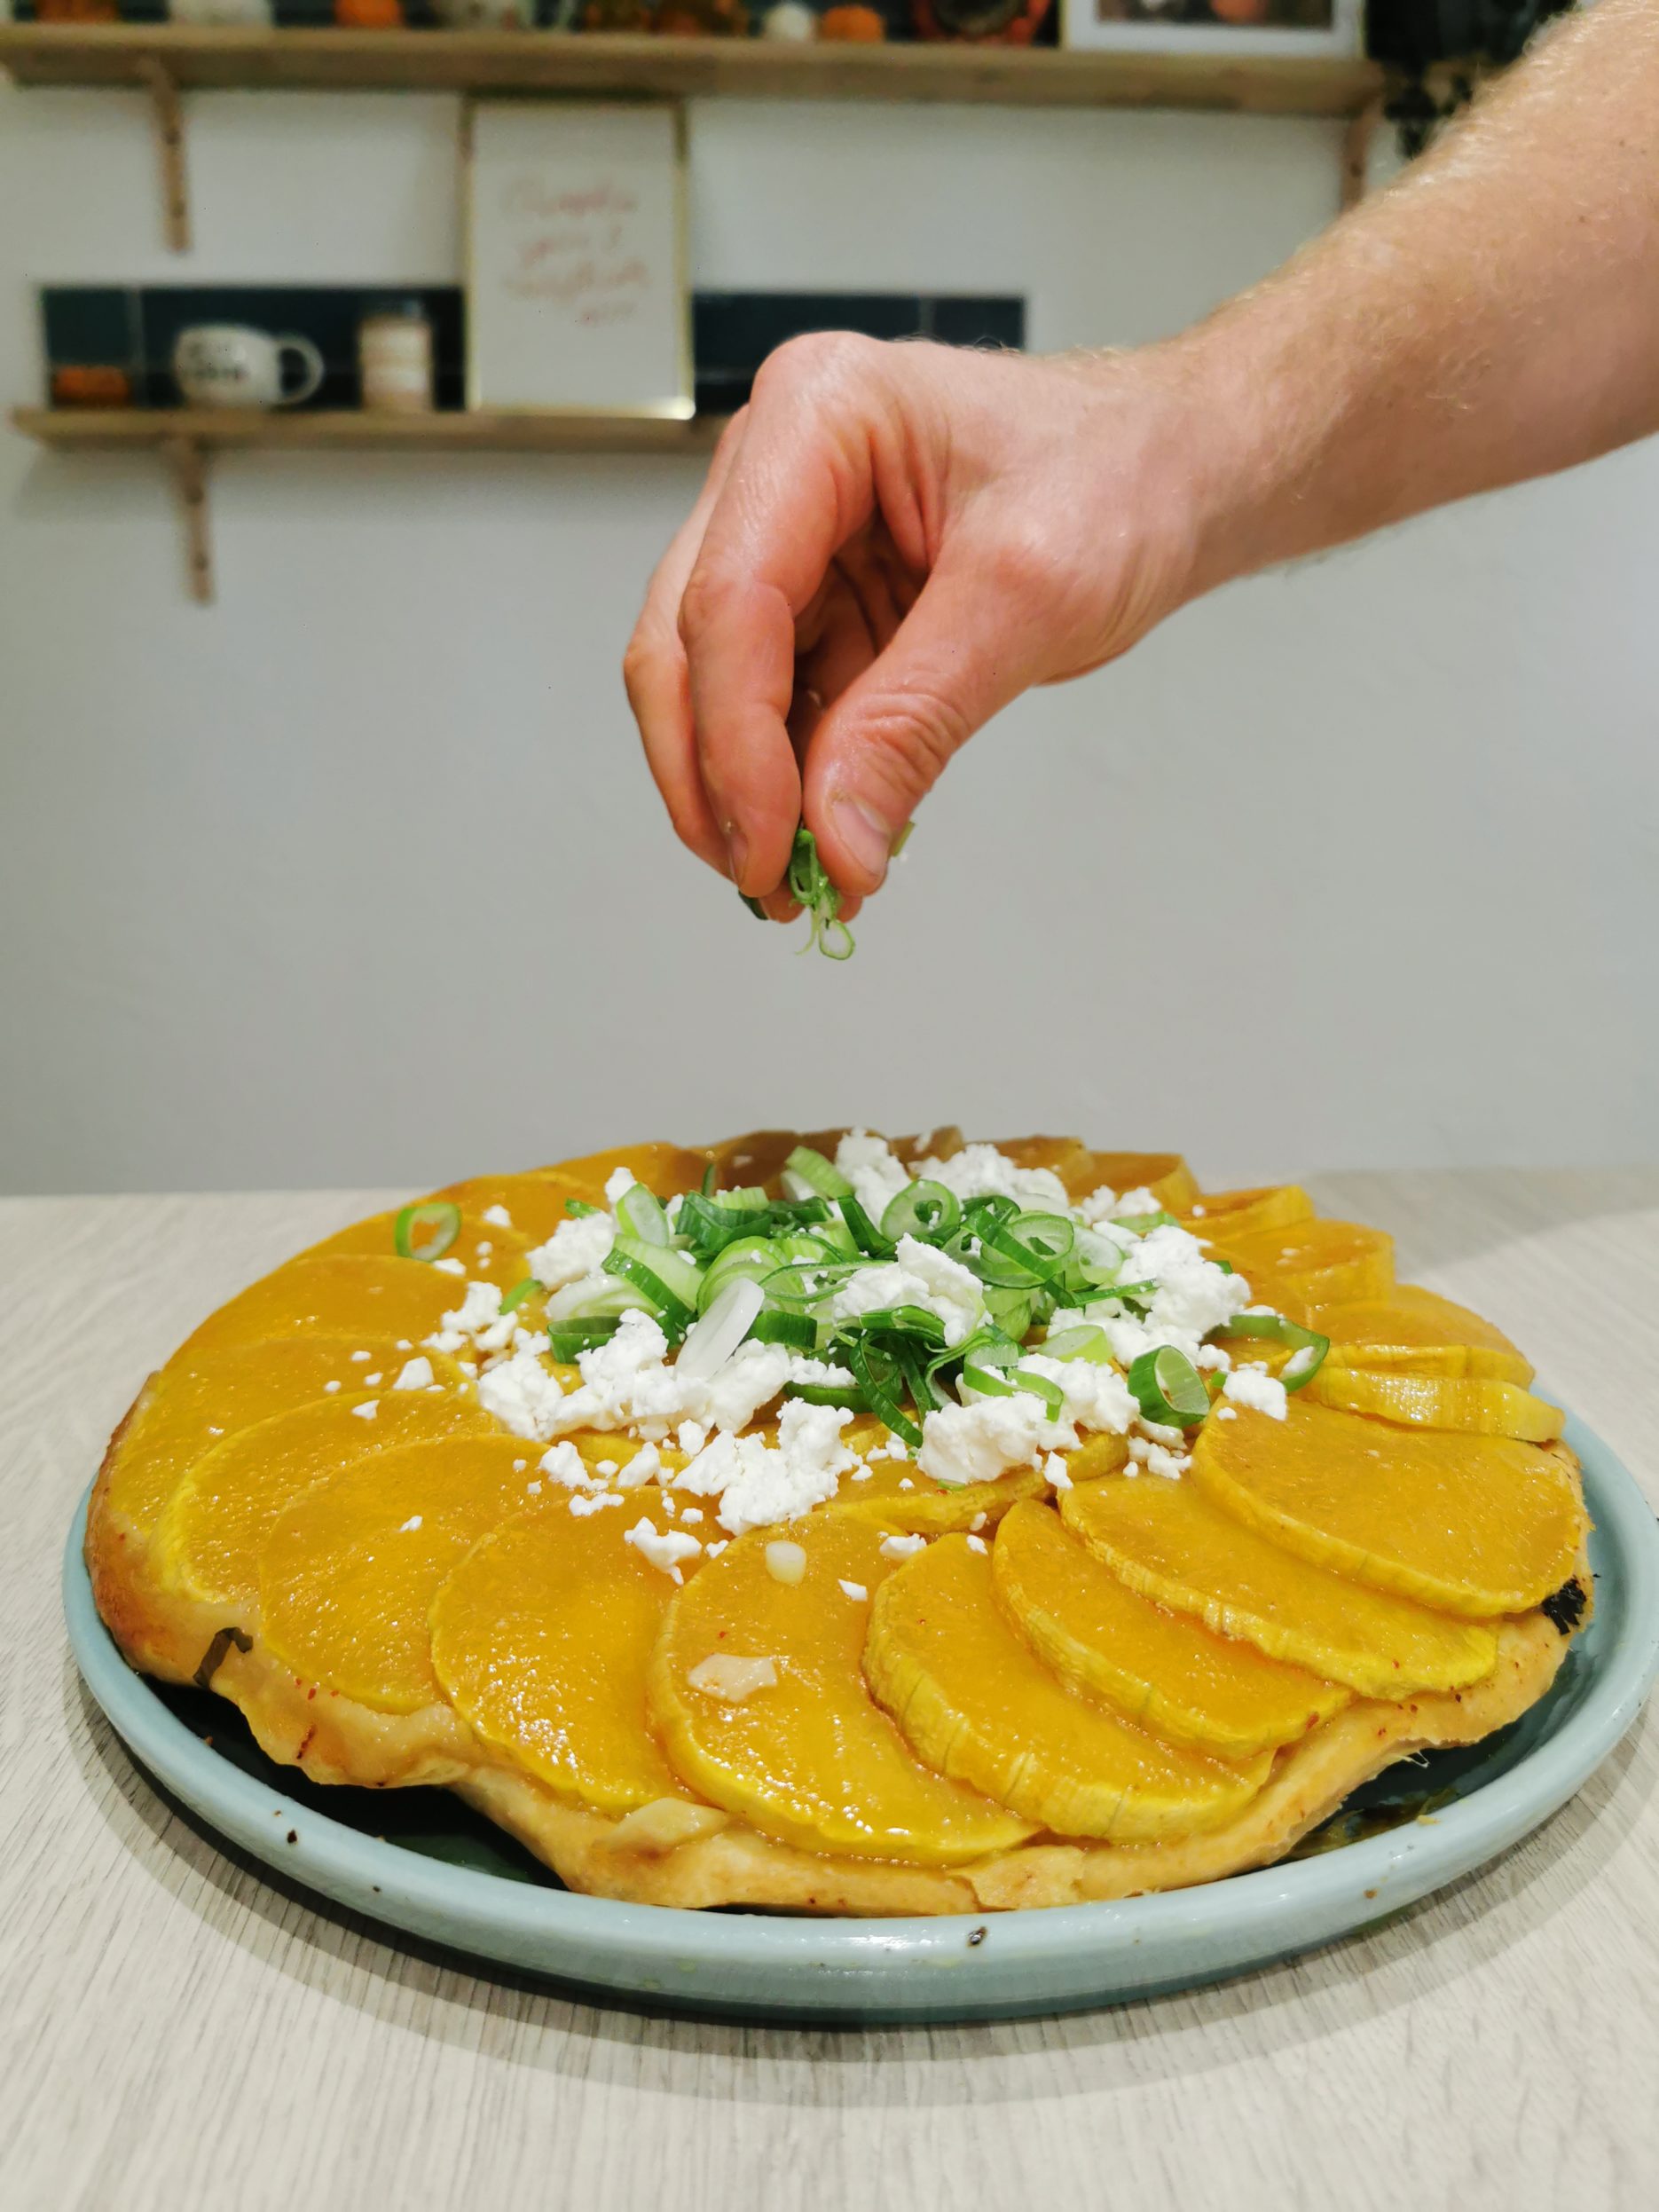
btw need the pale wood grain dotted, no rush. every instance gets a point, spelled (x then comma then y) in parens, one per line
(178, 2033)
(680, 67)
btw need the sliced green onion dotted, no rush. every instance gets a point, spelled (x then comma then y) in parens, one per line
(442, 1215)
(878, 1375)
(520, 1291)
(914, 1369)
(749, 1255)
(648, 1269)
(846, 1394)
(1014, 1382)
(802, 1283)
(811, 888)
(710, 1341)
(817, 1173)
(572, 1337)
(576, 1207)
(641, 1214)
(917, 1321)
(1306, 1347)
(1010, 1310)
(923, 1210)
(866, 1235)
(1143, 1225)
(1169, 1388)
(1086, 1341)
(708, 1180)
(798, 1331)
(1142, 1292)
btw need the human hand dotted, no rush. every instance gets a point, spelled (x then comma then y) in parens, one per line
(892, 542)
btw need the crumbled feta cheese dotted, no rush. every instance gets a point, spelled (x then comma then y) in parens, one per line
(413, 1522)
(786, 1562)
(981, 1171)
(977, 1442)
(1253, 1386)
(977, 1544)
(577, 1247)
(445, 1341)
(1212, 1356)
(368, 1409)
(646, 1465)
(856, 1591)
(331, 1388)
(565, 1464)
(735, 1393)
(414, 1374)
(361, 1358)
(449, 1267)
(759, 1485)
(478, 1310)
(869, 1165)
(902, 1546)
(524, 1395)
(1097, 1396)
(496, 1216)
(917, 1275)
(662, 1549)
(1299, 1363)
(1135, 1204)
(694, 1513)
(1226, 1413)
(605, 1467)
(691, 1436)
(593, 1501)
(1054, 1467)
(823, 1372)
(1100, 1205)
(729, 1677)
(618, 1183)
(373, 1381)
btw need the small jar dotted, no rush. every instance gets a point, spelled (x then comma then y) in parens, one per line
(394, 358)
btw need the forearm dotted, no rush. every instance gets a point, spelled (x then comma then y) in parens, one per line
(1492, 316)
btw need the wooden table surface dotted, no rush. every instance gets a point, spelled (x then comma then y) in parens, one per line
(178, 2032)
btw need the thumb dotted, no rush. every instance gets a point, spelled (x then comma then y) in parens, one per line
(883, 744)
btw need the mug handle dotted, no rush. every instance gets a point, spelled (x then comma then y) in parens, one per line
(311, 360)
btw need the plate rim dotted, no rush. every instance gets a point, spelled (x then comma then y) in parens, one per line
(1270, 1911)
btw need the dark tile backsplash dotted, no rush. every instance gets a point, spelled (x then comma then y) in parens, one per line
(135, 328)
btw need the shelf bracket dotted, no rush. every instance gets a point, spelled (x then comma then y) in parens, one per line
(169, 138)
(188, 463)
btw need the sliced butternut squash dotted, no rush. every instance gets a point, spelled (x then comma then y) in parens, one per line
(812, 1760)
(1321, 1261)
(975, 1701)
(1418, 1332)
(209, 1540)
(1220, 1216)
(663, 1169)
(341, 1295)
(1165, 1174)
(488, 1252)
(542, 1637)
(1164, 1670)
(1471, 1405)
(534, 1203)
(1471, 1525)
(1172, 1544)
(348, 1573)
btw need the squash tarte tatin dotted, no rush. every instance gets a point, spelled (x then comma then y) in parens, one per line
(837, 1526)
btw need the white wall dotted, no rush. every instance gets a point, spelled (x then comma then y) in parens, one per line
(358, 876)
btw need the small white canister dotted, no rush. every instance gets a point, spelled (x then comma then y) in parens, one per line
(394, 358)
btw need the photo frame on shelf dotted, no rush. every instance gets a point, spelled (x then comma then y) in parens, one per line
(574, 223)
(1255, 29)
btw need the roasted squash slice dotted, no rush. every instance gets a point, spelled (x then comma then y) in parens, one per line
(542, 1637)
(1162, 1670)
(663, 1169)
(976, 1702)
(487, 1253)
(811, 1758)
(1172, 1544)
(1165, 1174)
(1220, 1216)
(348, 1575)
(1321, 1261)
(209, 1540)
(342, 1295)
(1474, 1407)
(1419, 1333)
(1471, 1525)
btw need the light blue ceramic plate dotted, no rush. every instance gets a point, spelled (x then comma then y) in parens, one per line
(418, 1860)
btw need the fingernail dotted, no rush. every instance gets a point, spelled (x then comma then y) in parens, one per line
(866, 836)
(737, 851)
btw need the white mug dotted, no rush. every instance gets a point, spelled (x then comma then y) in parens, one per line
(227, 364)
(258, 12)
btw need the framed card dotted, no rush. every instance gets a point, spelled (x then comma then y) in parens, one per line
(1277, 28)
(575, 233)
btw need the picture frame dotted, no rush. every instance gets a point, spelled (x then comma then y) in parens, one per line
(574, 233)
(1323, 28)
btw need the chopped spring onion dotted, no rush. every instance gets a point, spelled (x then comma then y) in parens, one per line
(1168, 1387)
(569, 1338)
(576, 1207)
(520, 1291)
(1306, 1347)
(668, 1278)
(641, 1215)
(441, 1215)
(1086, 1341)
(708, 1180)
(1143, 1225)
(1010, 1309)
(923, 1210)
(916, 1321)
(800, 1285)
(1011, 1382)
(848, 1394)
(798, 1331)
(866, 1235)
(811, 888)
(818, 1175)
(880, 1377)
(710, 1341)
(749, 1255)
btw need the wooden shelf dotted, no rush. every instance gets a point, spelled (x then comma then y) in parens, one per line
(184, 439)
(316, 431)
(595, 64)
